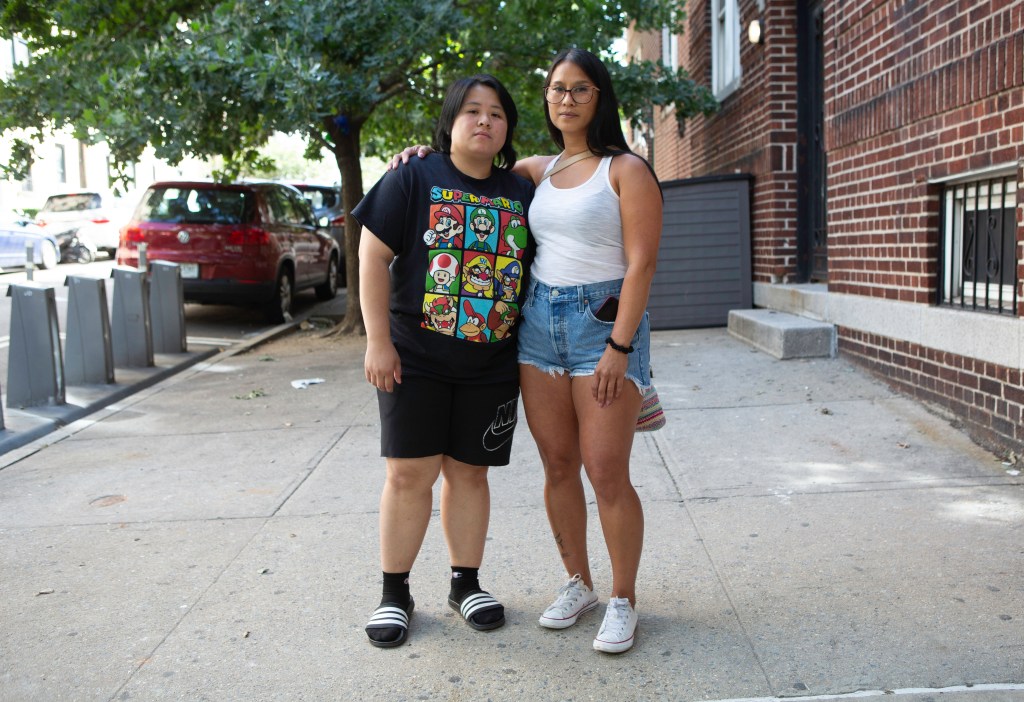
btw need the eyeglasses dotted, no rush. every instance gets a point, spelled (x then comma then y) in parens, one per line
(581, 94)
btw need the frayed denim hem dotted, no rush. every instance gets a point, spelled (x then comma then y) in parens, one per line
(582, 373)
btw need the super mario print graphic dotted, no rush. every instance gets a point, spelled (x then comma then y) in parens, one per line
(474, 265)
(478, 276)
(440, 313)
(443, 271)
(483, 230)
(448, 227)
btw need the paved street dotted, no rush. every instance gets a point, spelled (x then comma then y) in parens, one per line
(809, 535)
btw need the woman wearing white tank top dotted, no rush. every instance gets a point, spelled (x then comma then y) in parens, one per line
(584, 338)
(596, 218)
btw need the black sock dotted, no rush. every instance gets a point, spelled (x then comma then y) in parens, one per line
(466, 581)
(395, 592)
(396, 589)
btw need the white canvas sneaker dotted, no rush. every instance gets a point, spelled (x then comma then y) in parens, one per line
(618, 628)
(574, 598)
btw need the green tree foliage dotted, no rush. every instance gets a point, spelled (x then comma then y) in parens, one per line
(207, 78)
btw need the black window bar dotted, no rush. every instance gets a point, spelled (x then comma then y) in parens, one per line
(978, 261)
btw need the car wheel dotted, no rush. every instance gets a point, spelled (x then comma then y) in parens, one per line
(329, 288)
(85, 255)
(280, 307)
(48, 256)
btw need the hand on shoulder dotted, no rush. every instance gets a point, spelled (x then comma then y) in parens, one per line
(532, 167)
(420, 150)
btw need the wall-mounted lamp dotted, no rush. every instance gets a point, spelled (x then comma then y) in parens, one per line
(755, 31)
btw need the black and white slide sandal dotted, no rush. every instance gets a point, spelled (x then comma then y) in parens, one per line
(391, 616)
(475, 603)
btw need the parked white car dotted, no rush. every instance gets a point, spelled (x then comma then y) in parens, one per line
(103, 234)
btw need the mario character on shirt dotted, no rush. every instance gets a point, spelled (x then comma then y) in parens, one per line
(483, 224)
(472, 326)
(444, 269)
(448, 228)
(439, 313)
(501, 319)
(506, 282)
(513, 236)
(478, 276)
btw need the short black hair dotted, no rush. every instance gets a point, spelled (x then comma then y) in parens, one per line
(453, 99)
(604, 135)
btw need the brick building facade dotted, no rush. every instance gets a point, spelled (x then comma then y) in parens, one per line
(886, 141)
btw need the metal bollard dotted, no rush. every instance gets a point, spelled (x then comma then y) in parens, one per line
(88, 347)
(167, 307)
(35, 368)
(30, 260)
(131, 328)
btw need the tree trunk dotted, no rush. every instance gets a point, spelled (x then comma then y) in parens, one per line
(346, 153)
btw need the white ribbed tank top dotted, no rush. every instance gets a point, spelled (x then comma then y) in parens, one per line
(578, 231)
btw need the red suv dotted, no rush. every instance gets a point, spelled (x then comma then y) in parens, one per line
(246, 244)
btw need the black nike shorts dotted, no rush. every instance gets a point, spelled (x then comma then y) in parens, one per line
(471, 423)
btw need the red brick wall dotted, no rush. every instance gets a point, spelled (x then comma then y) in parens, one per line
(754, 132)
(915, 91)
(987, 399)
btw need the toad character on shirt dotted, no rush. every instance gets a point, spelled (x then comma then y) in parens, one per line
(444, 268)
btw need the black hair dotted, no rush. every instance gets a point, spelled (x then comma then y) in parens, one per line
(453, 99)
(604, 134)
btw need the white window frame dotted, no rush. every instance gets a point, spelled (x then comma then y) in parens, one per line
(725, 48)
(669, 49)
(962, 196)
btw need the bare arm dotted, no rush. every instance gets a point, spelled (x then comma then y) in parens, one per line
(532, 167)
(640, 207)
(381, 365)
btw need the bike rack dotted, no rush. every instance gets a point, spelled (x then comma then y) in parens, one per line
(35, 368)
(131, 326)
(167, 307)
(88, 347)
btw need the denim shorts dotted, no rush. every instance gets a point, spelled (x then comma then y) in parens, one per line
(559, 333)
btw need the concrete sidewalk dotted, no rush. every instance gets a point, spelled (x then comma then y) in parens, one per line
(214, 537)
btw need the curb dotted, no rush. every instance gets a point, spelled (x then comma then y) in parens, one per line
(16, 445)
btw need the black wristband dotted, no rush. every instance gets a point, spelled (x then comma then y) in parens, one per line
(620, 349)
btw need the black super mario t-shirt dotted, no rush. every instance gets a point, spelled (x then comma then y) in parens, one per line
(462, 250)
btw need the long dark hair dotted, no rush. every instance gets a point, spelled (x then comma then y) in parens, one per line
(604, 135)
(453, 99)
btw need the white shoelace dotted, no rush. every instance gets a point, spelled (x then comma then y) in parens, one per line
(616, 619)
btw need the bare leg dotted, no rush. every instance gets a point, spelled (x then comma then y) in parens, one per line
(465, 511)
(548, 402)
(606, 439)
(405, 506)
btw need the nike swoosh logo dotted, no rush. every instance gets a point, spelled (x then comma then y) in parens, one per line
(494, 440)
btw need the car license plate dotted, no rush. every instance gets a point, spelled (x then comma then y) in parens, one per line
(189, 270)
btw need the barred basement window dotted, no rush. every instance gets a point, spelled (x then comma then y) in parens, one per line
(978, 253)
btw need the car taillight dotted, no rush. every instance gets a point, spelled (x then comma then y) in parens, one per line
(100, 220)
(338, 221)
(250, 236)
(132, 235)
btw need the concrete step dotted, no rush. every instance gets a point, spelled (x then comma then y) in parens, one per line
(783, 335)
